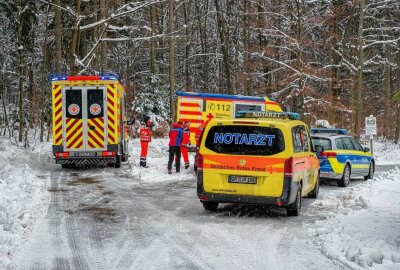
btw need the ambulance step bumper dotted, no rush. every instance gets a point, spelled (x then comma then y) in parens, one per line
(86, 161)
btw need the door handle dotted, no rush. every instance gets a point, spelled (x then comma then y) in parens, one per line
(92, 127)
(299, 163)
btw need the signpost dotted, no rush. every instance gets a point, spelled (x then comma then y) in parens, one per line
(370, 129)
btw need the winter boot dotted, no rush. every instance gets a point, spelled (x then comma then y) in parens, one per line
(143, 163)
(186, 165)
(169, 172)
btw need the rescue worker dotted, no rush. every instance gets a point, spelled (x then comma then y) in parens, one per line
(185, 143)
(145, 138)
(175, 141)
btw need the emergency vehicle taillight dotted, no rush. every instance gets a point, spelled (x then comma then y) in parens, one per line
(108, 154)
(288, 167)
(328, 154)
(62, 154)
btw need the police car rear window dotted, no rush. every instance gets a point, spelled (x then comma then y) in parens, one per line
(245, 140)
(325, 143)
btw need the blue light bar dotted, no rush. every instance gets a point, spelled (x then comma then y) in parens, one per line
(267, 114)
(58, 78)
(110, 78)
(340, 131)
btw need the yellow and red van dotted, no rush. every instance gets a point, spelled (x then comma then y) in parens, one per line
(89, 120)
(197, 108)
(260, 158)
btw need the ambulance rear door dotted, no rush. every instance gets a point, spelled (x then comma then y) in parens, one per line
(84, 122)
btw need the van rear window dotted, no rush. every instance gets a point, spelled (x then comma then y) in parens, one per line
(245, 140)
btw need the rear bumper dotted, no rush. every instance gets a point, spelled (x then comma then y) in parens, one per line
(288, 196)
(86, 160)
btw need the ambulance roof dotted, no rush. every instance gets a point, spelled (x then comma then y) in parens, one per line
(220, 96)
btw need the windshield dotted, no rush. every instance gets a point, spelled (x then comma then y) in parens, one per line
(324, 142)
(245, 140)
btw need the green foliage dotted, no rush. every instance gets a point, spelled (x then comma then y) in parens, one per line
(152, 98)
(396, 97)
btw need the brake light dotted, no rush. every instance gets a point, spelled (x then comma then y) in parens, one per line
(288, 167)
(108, 154)
(328, 154)
(200, 162)
(62, 154)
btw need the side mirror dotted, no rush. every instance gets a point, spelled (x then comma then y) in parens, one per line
(130, 122)
(366, 149)
(318, 148)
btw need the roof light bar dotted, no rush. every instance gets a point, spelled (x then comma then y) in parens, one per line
(340, 131)
(267, 114)
(84, 78)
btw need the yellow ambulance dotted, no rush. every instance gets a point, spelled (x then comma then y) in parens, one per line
(89, 120)
(258, 158)
(198, 108)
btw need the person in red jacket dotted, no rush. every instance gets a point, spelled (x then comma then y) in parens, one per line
(175, 141)
(185, 143)
(145, 138)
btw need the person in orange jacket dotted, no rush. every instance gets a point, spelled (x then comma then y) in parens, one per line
(185, 143)
(145, 138)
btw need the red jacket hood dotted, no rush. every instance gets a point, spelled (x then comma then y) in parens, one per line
(176, 125)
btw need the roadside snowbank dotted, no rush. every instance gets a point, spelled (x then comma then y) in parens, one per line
(365, 233)
(386, 153)
(157, 160)
(23, 194)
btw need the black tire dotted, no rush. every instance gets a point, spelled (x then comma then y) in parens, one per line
(295, 208)
(314, 193)
(117, 164)
(345, 180)
(210, 206)
(371, 171)
(124, 158)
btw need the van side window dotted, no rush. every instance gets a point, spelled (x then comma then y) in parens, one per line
(300, 139)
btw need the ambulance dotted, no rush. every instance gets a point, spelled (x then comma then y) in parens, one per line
(262, 158)
(199, 108)
(89, 120)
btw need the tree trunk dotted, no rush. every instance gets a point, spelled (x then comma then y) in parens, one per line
(224, 46)
(359, 82)
(3, 98)
(246, 53)
(74, 39)
(153, 68)
(21, 77)
(397, 130)
(43, 78)
(171, 58)
(57, 35)
(103, 48)
(387, 106)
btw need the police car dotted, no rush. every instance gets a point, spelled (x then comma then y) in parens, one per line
(257, 158)
(341, 156)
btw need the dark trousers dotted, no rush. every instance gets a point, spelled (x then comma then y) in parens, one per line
(174, 151)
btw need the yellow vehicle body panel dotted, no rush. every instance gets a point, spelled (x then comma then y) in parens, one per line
(268, 170)
(73, 134)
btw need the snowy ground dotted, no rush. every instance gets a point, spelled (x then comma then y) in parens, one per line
(133, 218)
(23, 196)
(386, 153)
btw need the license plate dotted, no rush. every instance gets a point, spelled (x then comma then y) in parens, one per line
(83, 154)
(242, 179)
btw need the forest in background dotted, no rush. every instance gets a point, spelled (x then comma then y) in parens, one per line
(337, 60)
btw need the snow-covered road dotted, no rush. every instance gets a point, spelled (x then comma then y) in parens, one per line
(104, 219)
(132, 218)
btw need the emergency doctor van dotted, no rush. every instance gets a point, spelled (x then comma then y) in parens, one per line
(89, 120)
(198, 108)
(260, 158)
